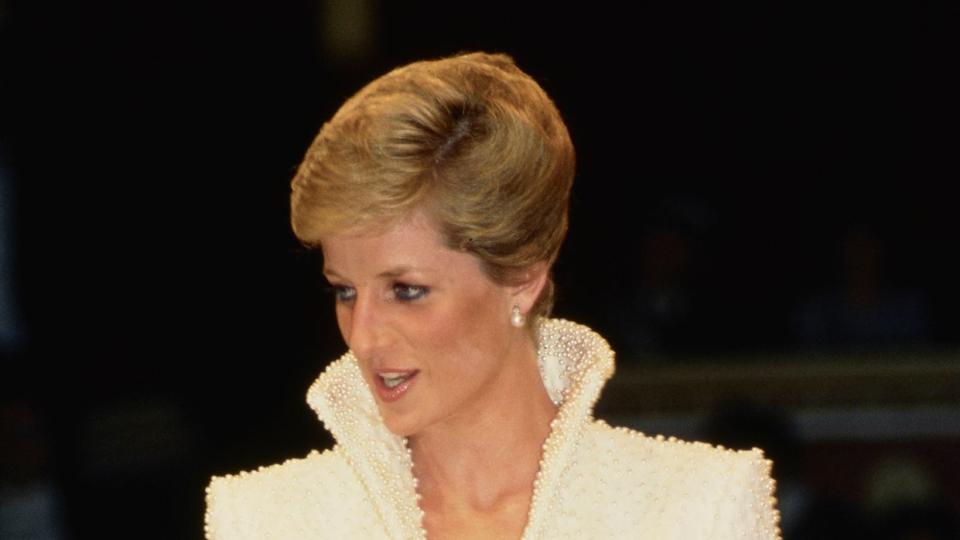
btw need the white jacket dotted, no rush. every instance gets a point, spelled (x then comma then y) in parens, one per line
(595, 481)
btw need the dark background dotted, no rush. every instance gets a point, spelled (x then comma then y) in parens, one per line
(730, 159)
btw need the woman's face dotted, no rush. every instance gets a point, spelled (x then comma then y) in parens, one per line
(430, 330)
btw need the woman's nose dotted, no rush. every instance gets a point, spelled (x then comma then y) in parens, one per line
(365, 327)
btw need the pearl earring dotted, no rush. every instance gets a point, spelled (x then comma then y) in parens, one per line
(516, 318)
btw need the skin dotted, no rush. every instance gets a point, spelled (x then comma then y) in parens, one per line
(407, 302)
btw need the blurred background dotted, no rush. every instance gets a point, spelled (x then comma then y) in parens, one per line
(763, 226)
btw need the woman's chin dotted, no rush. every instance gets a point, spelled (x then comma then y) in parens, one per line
(398, 424)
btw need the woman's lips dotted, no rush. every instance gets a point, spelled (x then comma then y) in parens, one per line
(392, 384)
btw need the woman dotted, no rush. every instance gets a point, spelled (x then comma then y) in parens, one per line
(438, 195)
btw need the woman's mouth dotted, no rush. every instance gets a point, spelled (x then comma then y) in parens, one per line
(392, 381)
(393, 384)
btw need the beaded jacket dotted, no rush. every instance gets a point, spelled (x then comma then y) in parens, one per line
(594, 481)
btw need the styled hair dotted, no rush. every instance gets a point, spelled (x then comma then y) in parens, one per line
(471, 139)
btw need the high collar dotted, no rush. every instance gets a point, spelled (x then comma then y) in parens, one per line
(574, 363)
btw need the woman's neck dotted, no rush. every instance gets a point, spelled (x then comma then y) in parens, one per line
(491, 451)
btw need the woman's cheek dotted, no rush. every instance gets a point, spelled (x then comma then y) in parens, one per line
(343, 322)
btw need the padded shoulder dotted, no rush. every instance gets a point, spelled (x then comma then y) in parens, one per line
(317, 496)
(640, 486)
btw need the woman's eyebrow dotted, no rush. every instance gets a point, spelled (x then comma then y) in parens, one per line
(401, 270)
(391, 273)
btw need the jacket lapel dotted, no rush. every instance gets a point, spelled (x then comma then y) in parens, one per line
(380, 459)
(574, 363)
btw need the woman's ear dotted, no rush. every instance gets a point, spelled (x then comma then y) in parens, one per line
(528, 284)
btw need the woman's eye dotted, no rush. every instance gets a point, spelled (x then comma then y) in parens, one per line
(343, 293)
(406, 293)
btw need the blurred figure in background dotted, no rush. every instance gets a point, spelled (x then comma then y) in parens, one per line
(906, 502)
(862, 310)
(29, 497)
(663, 312)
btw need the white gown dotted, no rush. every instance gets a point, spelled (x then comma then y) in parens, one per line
(595, 481)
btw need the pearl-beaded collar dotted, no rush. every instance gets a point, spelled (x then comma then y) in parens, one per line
(574, 364)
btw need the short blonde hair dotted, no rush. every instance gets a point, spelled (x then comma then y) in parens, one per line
(470, 138)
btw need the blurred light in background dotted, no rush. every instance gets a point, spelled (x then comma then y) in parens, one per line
(348, 30)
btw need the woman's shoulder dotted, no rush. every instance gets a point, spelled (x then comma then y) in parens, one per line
(288, 474)
(724, 490)
(671, 451)
(674, 461)
(299, 497)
